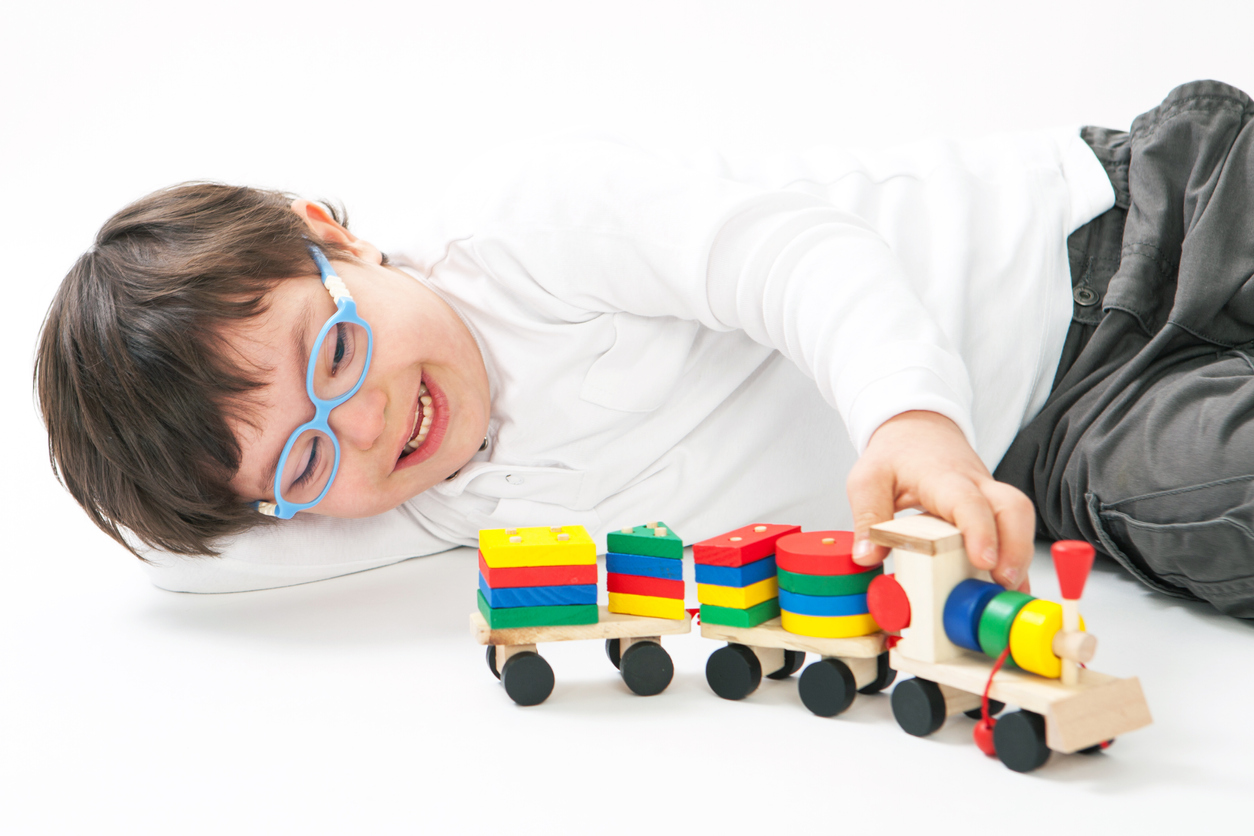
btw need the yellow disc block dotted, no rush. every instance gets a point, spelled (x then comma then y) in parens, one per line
(738, 597)
(1032, 637)
(648, 605)
(828, 626)
(507, 548)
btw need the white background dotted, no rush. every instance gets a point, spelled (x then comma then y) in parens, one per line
(360, 705)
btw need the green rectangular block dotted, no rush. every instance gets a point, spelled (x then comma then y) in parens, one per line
(731, 617)
(644, 540)
(506, 618)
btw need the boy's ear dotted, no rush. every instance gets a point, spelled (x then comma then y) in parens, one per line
(326, 228)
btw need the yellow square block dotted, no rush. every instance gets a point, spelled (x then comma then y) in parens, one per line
(647, 605)
(567, 545)
(738, 597)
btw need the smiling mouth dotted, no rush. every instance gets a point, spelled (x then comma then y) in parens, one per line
(424, 417)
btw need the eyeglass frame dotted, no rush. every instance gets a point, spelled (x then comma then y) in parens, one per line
(345, 312)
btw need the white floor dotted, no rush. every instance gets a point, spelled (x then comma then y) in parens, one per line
(361, 705)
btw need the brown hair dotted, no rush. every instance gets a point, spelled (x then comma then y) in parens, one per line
(133, 381)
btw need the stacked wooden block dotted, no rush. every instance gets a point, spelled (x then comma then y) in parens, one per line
(537, 577)
(736, 575)
(644, 571)
(822, 592)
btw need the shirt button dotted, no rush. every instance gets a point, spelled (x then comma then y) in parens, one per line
(514, 480)
(1084, 296)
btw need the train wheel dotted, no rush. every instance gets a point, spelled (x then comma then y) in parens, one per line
(884, 676)
(995, 707)
(919, 706)
(527, 678)
(647, 668)
(492, 661)
(1020, 740)
(612, 650)
(733, 672)
(793, 660)
(827, 687)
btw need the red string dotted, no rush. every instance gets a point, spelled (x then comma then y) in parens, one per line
(695, 612)
(1001, 660)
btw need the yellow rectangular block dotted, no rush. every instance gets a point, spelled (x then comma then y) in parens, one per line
(647, 605)
(567, 545)
(741, 598)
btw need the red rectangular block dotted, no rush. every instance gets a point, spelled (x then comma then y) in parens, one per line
(503, 578)
(640, 585)
(744, 545)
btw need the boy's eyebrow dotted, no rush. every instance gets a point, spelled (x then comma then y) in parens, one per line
(300, 341)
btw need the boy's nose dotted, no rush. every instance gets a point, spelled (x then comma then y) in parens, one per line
(359, 421)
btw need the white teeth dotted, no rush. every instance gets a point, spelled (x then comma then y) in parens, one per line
(428, 417)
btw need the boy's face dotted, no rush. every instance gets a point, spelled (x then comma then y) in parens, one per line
(418, 339)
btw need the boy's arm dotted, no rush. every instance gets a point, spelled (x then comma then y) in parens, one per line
(598, 227)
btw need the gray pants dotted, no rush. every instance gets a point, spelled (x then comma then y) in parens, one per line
(1145, 448)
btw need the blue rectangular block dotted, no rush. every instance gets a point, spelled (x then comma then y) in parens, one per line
(649, 567)
(738, 576)
(537, 596)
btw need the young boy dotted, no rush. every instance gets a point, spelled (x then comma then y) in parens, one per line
(599, 337)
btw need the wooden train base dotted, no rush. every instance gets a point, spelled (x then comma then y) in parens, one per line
(632, 642)
(827, 687)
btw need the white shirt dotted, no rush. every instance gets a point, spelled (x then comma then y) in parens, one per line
(712, 343)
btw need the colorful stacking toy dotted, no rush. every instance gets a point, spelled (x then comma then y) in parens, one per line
(987, 618)
(537, 577)
(822, 592)
(736, 575)
(644, 571)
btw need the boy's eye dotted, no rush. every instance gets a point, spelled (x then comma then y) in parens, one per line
(341, 360)
(307, 468)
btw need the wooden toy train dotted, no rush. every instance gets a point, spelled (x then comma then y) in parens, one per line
(774, 593)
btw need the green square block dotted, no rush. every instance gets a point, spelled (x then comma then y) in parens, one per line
(731, 617)
(854, 584)
(643, 541)
(505, 618)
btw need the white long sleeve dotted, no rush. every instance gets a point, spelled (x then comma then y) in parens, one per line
(603, 227)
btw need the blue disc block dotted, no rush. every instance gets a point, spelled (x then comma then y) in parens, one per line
(963, 609)
(537, 596)
(737, 576)
(649, 567)
(822, 604)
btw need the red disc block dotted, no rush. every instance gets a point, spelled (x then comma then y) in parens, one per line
(1072, 561)
(888, 604)
(817, 553)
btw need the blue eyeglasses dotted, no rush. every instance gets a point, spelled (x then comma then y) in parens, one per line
(337, 367)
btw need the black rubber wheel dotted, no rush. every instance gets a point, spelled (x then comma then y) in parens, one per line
(527, 678)
(1020, 741)
(611, 650)
(827, 687)
(647, 668)
(1097, 748)
(884, 676)
(995, 707)
(793, 660)
(733, 672)
(492, 661)
(919, 706)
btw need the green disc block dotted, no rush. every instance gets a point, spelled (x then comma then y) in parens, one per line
(643, 540)
(505, 618)
(996, 620)
(855, 584)
(732, 617)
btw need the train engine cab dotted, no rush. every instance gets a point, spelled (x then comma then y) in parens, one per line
(974, 646)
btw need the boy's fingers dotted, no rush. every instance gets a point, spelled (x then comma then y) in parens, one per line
(1016, 528)
(871, 498)
(973, 515)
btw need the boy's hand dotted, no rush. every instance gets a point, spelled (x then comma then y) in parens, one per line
(922, 459)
